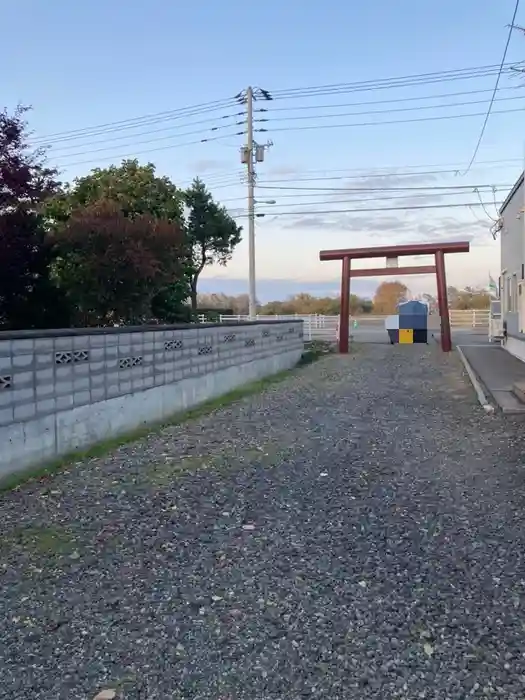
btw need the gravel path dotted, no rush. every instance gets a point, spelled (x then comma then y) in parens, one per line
(354, 532)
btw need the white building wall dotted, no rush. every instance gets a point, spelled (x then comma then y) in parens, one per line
(512, 242)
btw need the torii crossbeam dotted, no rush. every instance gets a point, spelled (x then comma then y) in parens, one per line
(392, 253)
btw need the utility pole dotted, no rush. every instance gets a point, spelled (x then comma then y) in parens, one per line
(251, 154)
(252, 309)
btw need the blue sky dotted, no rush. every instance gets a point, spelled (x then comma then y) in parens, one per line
(80, 65)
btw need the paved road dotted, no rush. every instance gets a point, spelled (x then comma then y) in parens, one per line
(354, 532)
(378, 334)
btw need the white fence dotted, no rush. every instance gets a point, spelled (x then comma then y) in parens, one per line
(318, 327)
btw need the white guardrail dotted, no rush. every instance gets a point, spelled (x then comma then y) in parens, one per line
(319, 327)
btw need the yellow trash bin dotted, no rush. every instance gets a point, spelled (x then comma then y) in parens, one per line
(406, 335)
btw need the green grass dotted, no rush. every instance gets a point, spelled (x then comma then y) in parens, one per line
(160, 475)
(314, 351)
(48, 541)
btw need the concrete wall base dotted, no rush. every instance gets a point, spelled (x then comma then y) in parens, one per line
(33, 442)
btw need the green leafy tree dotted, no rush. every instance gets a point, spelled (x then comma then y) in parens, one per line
(211, 234)
(112, 265)
(137, 189)
(169, 304)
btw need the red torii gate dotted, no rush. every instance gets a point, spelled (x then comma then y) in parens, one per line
(393, 252)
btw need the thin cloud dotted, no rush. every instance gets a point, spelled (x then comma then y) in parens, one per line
(390, 180)
(397, 229)
(348, 222)
(284, 170)
(205, 165)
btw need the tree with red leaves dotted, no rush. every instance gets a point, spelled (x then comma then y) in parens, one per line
(28, 297)
(111, 265)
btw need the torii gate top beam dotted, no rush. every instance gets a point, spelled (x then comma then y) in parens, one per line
(395, 251)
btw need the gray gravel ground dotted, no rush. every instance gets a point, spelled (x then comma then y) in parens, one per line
(354, 532)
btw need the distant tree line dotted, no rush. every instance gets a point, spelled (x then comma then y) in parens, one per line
(385, 301)
(121, 245)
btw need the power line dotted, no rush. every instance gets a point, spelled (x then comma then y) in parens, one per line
(397, 82)
(220, 181)
(135, 122)
(388, 122)
(395, 170)
(389, 80)
(334, 199)
(356, 200)
(221, 175)
(387, 111)
(238, 123)
(365, 210)
(461, 93)
(149, 150)
(390, 189)
(206, 107)
(212, 120)
(298, 128)
(154, 140)
(366, 176)
(498, 78)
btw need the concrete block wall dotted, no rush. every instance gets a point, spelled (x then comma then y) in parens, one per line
(67, 389)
